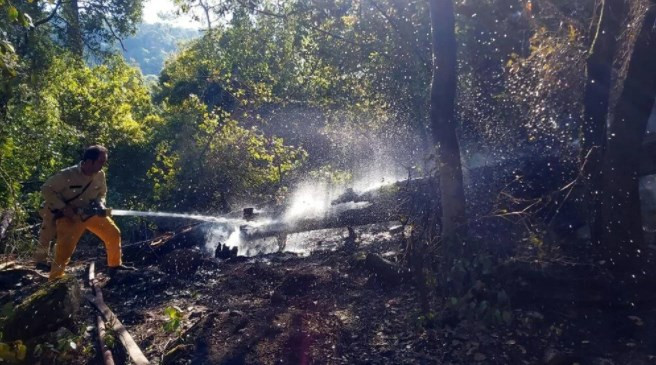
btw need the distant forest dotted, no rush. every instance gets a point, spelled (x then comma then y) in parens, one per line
(152, 43)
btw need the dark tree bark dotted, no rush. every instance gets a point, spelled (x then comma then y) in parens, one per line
(599, 68)
(622, 222)
(442, 114)
(74, 40)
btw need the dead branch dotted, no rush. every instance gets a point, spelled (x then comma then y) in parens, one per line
(106, 353)
(131, 347)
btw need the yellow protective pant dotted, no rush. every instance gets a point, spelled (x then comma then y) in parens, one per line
(46, 235)
(69, 232)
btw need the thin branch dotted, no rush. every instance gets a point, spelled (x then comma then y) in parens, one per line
(84, 41)
(570, 187)
(49, 17)
(398, 32)
(206, 9)
(111, 29)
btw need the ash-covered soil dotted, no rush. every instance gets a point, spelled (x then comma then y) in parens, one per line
(329, 308)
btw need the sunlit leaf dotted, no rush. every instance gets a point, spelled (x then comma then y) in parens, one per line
(12, 12)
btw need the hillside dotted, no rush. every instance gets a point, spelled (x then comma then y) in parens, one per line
(152, 43)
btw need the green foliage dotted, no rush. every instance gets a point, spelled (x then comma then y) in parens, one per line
(106, 104)
(110, 339)
(13, 353)
(331, 175)
(8, 62)
(520, 73)
(96, 25)
(173, 319)
(269, 60)
(212, 156)
(10, 17)
(153, 43)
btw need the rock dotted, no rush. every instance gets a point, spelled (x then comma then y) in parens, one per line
(385, 271)
(181, 262)
(56, 304)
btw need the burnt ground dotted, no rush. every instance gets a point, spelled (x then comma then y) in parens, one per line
(329, 308)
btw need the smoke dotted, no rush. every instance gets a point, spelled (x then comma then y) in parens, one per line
(311, 199)
(220, 234)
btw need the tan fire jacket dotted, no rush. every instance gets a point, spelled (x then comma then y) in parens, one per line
(65, 185)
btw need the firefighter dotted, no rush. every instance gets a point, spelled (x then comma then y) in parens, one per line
(67, 195)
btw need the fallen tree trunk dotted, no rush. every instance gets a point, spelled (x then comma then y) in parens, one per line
(407, 200)
(394, 202)
(151, 250)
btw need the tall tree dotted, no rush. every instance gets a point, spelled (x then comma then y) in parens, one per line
(442, 115)
(91, 24)
(599, 68)
(621, 218)
(73, 41)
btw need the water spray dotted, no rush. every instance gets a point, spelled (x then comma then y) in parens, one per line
(313, 206)
(197, 217)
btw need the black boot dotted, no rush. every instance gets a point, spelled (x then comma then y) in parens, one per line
(112, 270)
(43, 266)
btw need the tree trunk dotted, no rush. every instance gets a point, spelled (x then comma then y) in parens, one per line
(206, 10)
(622, 222)
(599, 69)
(6, 217)
(74, 40)
(442, 114)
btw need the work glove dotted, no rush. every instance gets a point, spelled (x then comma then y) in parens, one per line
(95, 208)
(66, 212)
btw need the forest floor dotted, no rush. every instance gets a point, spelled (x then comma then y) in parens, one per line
(329, 308)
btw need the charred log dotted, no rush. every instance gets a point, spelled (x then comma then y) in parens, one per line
(393, 202)
(149, 251)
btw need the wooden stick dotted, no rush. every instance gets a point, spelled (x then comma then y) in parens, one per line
(106, 353)
(131, 347)
(108, 359)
